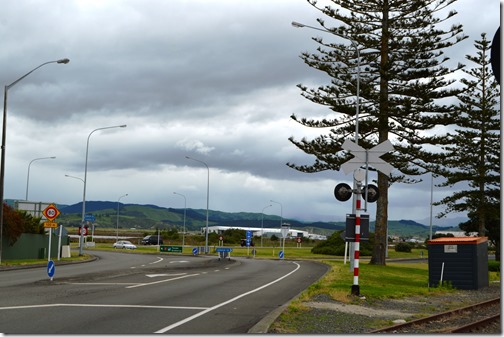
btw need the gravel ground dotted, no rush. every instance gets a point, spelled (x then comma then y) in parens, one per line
(326, 316)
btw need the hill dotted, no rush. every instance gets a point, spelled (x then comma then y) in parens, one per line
(149, 217)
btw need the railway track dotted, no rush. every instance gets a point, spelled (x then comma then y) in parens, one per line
(483, 317)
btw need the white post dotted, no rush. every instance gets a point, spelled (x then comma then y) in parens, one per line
(59, 241)
(49, 249)
(442, 271)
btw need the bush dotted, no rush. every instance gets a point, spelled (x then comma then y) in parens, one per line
(403, 247)
(335, 245)
(494, 266)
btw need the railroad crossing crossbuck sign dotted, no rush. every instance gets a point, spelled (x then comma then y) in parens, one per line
(370, 157)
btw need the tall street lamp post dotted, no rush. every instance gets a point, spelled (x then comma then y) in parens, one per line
(262, 223)
(185, 207)
(4, 127)
(28, 175)
(281, 211)
(117, 226)
(81, 238)
(207, 200)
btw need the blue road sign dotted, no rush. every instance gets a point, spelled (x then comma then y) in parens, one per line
(89, 217)
(195, 251)
(223, 250)
(281, 254)
(51, 268)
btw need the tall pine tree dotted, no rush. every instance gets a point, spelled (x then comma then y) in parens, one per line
(472, 153)
(403, 80)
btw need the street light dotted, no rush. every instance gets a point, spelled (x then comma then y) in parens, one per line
(4, 130)
(117, 230)
(207, 200)
(28, 175)
(262, 223)
(185, 207)
(281, 212)
(81, 238)
(69, 176)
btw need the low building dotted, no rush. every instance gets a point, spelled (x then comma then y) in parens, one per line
(293, 233)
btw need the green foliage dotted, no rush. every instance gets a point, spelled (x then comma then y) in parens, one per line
(494, 266)
(17, 222)
(335, 245)
(472, 152)
(403, 247)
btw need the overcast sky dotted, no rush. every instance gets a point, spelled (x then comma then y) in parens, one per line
(212, 80)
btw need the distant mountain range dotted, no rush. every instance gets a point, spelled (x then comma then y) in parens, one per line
(149, 217)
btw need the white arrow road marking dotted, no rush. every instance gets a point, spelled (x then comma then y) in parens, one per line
(167, 280)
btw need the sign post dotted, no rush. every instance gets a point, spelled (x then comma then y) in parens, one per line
(285, 231)
(51, 213)
(359, 175)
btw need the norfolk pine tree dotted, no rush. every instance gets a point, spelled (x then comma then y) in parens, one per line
(472, 153)
(403, 88)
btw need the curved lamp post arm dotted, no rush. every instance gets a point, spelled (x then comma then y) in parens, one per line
(28, 175)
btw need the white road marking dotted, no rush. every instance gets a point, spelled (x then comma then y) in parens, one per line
(160, 259)
(160, 275)
(167, 280)
(188, 319)
(101, 306)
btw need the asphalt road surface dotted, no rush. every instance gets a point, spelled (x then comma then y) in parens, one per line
(125, 293)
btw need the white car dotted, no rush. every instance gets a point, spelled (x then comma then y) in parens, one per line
(124, 244)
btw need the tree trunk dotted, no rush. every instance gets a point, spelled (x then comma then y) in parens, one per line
(381, 240)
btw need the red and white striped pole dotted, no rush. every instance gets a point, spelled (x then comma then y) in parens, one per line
(359, 176)
(355, 286)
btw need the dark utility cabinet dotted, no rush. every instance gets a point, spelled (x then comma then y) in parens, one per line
(461, 261)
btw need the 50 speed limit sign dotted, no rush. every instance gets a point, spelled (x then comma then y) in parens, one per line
(51, 212)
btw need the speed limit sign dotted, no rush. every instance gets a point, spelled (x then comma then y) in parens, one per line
(51, 212)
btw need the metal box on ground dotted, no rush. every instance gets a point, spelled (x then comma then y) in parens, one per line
(461, 261)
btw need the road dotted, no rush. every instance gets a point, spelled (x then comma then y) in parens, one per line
(125, 293)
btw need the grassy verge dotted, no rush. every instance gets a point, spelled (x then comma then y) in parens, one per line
(395, 280)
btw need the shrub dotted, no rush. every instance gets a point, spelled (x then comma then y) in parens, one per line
(403, 247)
(494, 266)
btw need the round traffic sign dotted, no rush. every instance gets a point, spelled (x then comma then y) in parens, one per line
(83, 231)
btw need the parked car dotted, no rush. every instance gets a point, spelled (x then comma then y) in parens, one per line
(152, 240)
(124, 245)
